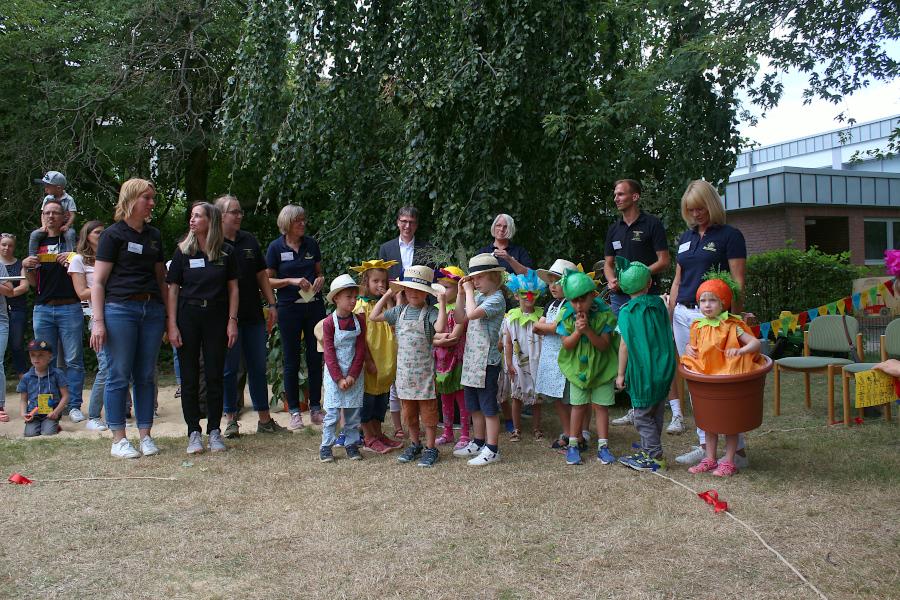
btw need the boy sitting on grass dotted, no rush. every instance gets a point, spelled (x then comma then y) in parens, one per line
(44, 392)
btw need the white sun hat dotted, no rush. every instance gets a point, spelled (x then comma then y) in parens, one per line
(484, 263)
(558, 268)
(341, 282)
(418, 277)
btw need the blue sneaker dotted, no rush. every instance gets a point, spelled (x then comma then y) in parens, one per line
(573, 456)
(411, 453)
(325, 454)
(429, 457)
(340, 441)
(641, 461)
(605, 456)
(352, 451)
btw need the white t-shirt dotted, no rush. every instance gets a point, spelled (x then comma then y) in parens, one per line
(76, 265)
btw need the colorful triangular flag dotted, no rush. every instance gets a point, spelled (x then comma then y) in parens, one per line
(813, 313)
(823, 310)
(857, 302)
(764, 330)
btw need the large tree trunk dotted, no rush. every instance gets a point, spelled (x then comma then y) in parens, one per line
(196, 174)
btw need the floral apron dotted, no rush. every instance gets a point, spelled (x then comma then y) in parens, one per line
(344, 347)
(415, 365)
(550, 380)
(475, 355)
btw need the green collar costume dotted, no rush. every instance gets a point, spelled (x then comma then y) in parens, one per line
(644, 325)
(517, 316)
(586, 367)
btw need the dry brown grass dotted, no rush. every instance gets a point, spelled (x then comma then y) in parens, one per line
(267, 520)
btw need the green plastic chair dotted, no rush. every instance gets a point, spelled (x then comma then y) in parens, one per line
(890, 348)
(825, 334)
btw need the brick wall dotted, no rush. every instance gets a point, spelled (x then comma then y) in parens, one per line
(767, 228)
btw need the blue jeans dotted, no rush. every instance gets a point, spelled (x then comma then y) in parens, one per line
(95, 405)
(134, 333)
(18, 320)
(351, 426)
(617, 300)
(66, 324)
(4, 335)
(251, 342)
(176, 365)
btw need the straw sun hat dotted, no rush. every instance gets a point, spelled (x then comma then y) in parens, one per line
(484, 263)
(418, 277)
(558, 268)
(341, 282)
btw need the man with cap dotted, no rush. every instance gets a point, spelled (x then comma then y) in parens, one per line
(646, 361)
(635, 236)
(54, 184)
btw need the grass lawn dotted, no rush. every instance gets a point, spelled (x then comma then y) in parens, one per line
(267, 520)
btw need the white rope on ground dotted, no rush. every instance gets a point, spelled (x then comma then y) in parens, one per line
(768, 431)
(100, 479)
(758, 536)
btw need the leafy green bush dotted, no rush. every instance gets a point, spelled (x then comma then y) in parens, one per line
(790, 279)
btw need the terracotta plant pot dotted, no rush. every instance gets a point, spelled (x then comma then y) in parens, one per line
(727, 404)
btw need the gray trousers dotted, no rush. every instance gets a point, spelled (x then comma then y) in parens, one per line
(41, 425)
(649, 422)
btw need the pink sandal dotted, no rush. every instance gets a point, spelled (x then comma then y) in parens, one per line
(726, 469)
(445, 438)
(705, 465)
(3, 416)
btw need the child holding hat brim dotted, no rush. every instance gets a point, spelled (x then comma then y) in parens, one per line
(587, 359)
(344, 345)
(646, 361)
(482, 312)
(415, 324)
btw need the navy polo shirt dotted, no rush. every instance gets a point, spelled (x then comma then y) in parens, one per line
(288, 264)
(134, 255)
(639, 241)
(250, 262)
(53, 281)
(201, 278)
(698, 255)
(517, 252)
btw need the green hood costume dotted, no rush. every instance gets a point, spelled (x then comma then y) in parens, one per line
(644, 325)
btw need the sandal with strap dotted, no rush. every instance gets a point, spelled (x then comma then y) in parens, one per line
(725, 469)
(538, 434)
(3, 416)
(515, 435)
(399, 434)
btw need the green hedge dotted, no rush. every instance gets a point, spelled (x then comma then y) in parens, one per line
(794, 280)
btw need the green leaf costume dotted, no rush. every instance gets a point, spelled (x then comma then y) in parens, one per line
(586, 367)
(644, 325)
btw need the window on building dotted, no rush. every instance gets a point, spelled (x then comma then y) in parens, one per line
(881, 235)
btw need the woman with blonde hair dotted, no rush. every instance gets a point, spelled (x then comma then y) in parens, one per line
(129, 313)
(294, 264)
(708, 244)
(203, 301)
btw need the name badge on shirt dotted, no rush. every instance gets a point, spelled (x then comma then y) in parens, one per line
(136, 248)
(197, 263)
(684, 247)
(617, 245)
(44, 407)
(286, 256)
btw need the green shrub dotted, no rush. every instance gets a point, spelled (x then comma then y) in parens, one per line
(790, 279)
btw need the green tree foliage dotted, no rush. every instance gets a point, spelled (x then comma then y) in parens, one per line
(107, 90)
(534, 108)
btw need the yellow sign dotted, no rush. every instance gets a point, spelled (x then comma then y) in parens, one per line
(874, 388)
(44, 407)
(47, 258)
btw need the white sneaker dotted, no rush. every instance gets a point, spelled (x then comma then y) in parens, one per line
(676, 426)
(468, 451)
(95, 425)
(485, 457)
(692, 456)
(741, 462)
(124, 449)
(626, 419)
(76, 415)
(195, 443)
(148, 446)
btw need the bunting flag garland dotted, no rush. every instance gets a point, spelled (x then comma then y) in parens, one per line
(791, 322)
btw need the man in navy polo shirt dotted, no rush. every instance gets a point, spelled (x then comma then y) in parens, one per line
(635, 236)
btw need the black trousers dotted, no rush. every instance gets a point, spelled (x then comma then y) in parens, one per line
(202, 333)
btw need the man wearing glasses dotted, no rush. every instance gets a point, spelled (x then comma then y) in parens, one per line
(57, 309)
(406, 249)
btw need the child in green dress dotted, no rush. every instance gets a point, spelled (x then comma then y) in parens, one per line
(587, 359)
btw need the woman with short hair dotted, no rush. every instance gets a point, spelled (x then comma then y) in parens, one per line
(514, 259)
(295, 269)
